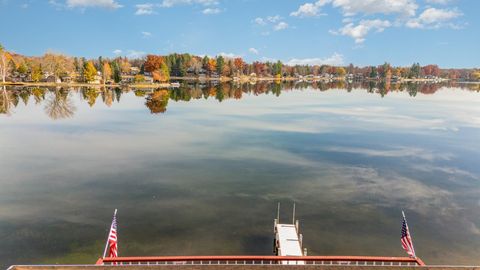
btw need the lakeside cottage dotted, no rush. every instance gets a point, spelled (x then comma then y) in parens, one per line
(53, 79)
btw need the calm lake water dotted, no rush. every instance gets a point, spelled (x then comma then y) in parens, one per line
(199, 170)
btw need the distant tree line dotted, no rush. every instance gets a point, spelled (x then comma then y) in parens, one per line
(162, 67)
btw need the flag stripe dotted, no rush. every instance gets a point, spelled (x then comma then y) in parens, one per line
(112, 239)
(406, 240)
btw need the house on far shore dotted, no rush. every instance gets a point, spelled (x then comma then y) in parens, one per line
(215, 75)
(134, 71)
(66, 79)
(53, 79)
(96, 80)
(148, 79)
(19, 77)
(127, 79)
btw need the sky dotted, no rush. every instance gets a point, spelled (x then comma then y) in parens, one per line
(337, 32)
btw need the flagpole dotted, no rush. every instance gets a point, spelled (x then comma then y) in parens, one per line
(408, 229)
(108, 236)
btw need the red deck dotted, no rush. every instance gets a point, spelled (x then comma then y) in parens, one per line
(262, 260)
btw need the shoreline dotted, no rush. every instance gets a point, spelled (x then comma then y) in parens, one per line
(221, 80)
(93, 85)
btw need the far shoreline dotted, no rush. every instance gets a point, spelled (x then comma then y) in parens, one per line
(210, 79)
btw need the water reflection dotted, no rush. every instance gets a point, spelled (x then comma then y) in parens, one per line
(59, 106)
(203, 176)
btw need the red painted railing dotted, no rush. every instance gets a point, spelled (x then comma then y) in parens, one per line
(222, 260)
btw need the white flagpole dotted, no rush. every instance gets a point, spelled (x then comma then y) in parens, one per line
(108, 236)
(409, 234)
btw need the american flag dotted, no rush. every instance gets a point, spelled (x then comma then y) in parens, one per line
(406, 239)
(112, 238)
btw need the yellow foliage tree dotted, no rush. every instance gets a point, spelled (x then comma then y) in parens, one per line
(341, 72)
(476, 75)
(107, 72)
(89, 72)
(36, 73)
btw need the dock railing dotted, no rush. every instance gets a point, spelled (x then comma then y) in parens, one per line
(263, 260)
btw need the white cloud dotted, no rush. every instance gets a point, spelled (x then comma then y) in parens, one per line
(144, 9)
(253, 50)
(146, 34)
(434, 18)
(229, 55)
(309, 9)
(135, 54)
(280, 26)
(394, 152)
(171, 3)
(360, 31)
(352, 7)
(260, 21)
(210, 11)
(274, 19)
(117, 51)
(275, 22)
(335, 60)
(112, 4)
(439, 2)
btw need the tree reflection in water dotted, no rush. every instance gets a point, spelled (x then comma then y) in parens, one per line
(59, 106)
(6, 103)
(157, 101)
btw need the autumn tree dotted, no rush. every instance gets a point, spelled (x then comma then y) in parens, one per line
(431, 70)
(107, 72)
(153, 63)
(211, 65)
(238, 64)
(36, 73)
(476, 75)
(258, 68)
(341, 72)
(57, 64)
(22, 68)
(162, 74)
(89, 71)
(125, 66)
(157, 66)
(139, 78)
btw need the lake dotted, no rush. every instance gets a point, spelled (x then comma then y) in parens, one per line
(199, 170)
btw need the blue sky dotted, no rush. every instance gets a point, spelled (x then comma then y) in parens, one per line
(445, 32)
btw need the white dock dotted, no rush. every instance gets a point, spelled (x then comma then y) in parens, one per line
(288, 240)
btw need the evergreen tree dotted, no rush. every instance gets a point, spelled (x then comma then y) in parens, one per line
(220, 65)
(373, 72)
(116, 72)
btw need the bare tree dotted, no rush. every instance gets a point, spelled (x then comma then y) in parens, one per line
(4, 57)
